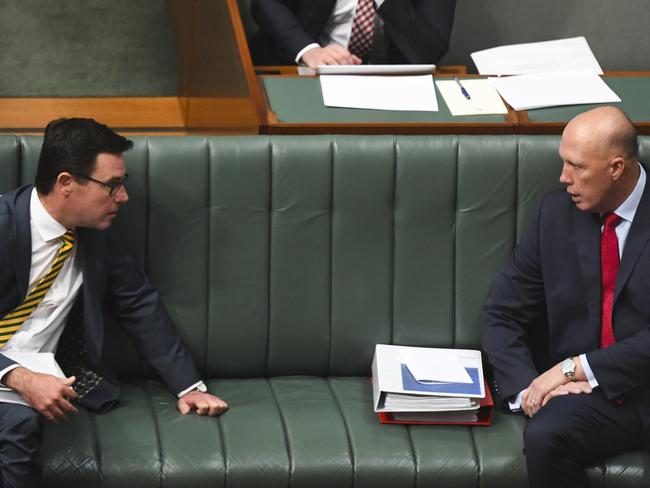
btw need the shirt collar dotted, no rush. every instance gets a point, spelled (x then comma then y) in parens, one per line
(46, 225)
(627, 209)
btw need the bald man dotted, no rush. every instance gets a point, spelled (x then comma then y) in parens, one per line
(567, 324)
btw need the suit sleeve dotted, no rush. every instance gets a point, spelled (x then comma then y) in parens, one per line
(514, 306)
(281, 26)
(419, 29)
(137, 306)
(623, 366)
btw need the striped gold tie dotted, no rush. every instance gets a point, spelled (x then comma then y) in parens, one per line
(12, 322)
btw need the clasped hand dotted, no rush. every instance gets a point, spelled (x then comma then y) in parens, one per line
(548, 385)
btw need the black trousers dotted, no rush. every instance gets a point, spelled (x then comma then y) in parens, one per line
(573, 431)
(21, 430)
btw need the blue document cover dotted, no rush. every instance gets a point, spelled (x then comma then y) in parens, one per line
(473, 388)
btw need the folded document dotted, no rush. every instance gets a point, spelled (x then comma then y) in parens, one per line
(396, 387)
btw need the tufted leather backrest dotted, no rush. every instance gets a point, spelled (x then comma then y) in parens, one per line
(296, 255)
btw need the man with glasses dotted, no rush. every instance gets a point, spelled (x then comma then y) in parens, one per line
(60, 262)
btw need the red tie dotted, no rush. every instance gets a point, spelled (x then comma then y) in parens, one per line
(362, 29)
(609, 269)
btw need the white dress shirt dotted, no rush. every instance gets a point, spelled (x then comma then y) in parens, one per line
(40, 333)
(338, 28)
(626, 212)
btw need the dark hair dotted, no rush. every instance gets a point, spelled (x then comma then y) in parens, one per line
(73, 145)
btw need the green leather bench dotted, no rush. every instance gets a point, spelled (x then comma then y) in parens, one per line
(284, 261)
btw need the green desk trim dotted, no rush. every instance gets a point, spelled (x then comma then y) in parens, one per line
(298, 100)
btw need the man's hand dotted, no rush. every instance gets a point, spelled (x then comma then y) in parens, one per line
(571, 388)
(47, 394)
(535, 395)
(203, 403)
(539, 388)
(331, 54)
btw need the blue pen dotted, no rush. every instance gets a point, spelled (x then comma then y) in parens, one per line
(462, 88)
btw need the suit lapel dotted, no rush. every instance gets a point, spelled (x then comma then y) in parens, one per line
(93, 332)
(636, 241)
(21, 239)
(587, 240)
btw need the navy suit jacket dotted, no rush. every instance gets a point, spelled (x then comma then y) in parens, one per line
(550, 292)
(110, 277)
(416, 31)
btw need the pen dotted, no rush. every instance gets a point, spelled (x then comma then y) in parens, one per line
(462, 88)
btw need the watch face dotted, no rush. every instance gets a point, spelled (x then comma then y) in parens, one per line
(568, 366)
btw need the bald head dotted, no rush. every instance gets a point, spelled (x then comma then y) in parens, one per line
(599, 149)
(607, 131)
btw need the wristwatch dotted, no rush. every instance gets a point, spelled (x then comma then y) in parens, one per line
(569, 368)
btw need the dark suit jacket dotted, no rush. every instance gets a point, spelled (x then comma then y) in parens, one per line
(416, 31)
(110, 277)
(552, 285)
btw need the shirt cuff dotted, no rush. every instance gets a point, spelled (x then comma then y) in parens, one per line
(199, 385)
(516, 403)
(305, 49)
(5, 371)
(593, 382)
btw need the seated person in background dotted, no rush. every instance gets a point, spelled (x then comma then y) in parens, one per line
(317, 32)
(566, 325)
(60, 261)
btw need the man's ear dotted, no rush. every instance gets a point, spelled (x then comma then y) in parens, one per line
(616, 167)
(64, 183)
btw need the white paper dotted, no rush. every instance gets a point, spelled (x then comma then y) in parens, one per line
(431, 364)
(368, 69)
(537, 57)
(554, 89)
(412, 93)
(484, 99)
(376, 69)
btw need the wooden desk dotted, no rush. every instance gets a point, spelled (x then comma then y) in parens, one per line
(295, 106)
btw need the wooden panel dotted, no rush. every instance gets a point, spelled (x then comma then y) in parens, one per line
(219, 90)
(234, 114)
(131, 113)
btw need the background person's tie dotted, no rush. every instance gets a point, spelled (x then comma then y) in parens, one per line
(362, 29)
(11, 323)
(609, 260)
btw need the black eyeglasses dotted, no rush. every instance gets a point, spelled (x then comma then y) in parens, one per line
(112, 185)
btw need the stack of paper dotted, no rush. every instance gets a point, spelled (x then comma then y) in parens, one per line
(380, 92)
(428, 380)
(549, 74)
(527, 92)
(537, 57)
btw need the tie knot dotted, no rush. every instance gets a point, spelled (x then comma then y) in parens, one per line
(611, 219)
(68, 237)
